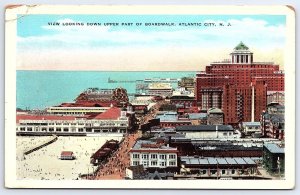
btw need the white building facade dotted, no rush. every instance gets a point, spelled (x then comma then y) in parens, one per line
(153, 155)
(112, 122)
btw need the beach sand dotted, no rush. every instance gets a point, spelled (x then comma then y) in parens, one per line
(45, 163)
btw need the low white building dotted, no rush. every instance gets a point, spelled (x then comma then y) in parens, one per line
(152, 154)
(207, 131)
(76, 110)
(251, 127)
(112, 121)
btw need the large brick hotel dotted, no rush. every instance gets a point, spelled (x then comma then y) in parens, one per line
(239, 86)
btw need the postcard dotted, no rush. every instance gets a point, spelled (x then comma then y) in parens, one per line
(150, 97)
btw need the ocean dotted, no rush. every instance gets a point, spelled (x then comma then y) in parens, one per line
(41, 89)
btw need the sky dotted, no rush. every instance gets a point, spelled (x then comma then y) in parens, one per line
(134, 45)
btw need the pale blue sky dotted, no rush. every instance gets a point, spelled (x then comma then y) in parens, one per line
(263, 32)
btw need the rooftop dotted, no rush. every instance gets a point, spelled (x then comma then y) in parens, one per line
(43, 117)
(204, 128)
(167, 116)
(251, 124)
(160, 86)
(190, 160)
(274, 148)
(112, 113)
(215, 110)
(150, 145)
(241, 46)
(66, 153)
(194, 116)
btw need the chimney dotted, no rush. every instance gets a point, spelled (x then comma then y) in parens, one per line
(252, 103)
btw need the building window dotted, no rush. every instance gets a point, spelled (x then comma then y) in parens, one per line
(154, 156)
(22, 129)
(89, 130)
(145, 163)
(66, 124)
(145, 156)
(172, 163)
(204, 172)
(172, 156)
(51, 129)
(153, 163)
(58, 129)
(223, 172)
(224, 134)
(135, 156)
(162, 156)
(232, 171)
(162, 164)
(135, 163)
(44, 129)
(29, 128)
(80, 130)
(66, 129)
(58, 123)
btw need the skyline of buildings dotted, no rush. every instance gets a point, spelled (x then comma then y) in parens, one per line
(208, 132)
(239, 86)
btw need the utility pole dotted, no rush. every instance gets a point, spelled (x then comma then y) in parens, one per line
(278, 164)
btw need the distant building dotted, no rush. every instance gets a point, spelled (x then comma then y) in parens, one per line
(135, 172)
(223, 147)
(117, 97)
(198, 118)
(238, 86)
(273, 121)
(251, 127)
(159, 176)
(187, 83)
(112, 121)
(182, 98)
(219, 167)
(142, 104)
(273, 158)
(275, 97)
(160, 89)
(104, 152)
(75, 111)
(215, 116)
(153, 155)
(207, 131)
(67, 155)
(171, 119)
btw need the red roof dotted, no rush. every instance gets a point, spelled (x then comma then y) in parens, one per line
(112, 113)
(43, 117)
(89, 104)
(66, 153)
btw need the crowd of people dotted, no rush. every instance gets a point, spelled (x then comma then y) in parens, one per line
(116, 164)
(114, 167)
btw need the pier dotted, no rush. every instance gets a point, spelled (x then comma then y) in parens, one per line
(46, 143)
(153, 80)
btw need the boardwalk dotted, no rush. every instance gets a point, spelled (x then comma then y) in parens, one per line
(117, 163)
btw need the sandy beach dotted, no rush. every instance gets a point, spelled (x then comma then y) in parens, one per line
(45, 163)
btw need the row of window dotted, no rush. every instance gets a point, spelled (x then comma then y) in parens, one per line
(154, 163)
(154, 156)
(59, 129)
